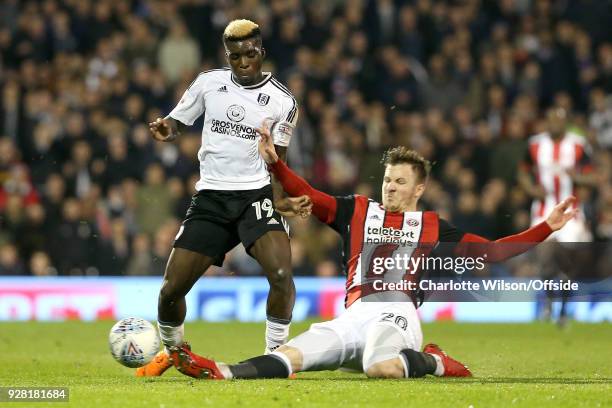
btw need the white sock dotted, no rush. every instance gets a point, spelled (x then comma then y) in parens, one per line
(439, 366)
(277, 333)
(171, 335)
(225, 370)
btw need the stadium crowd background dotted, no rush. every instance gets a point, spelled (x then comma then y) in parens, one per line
(84, 190)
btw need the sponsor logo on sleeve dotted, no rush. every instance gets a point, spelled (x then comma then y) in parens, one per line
(284, 129)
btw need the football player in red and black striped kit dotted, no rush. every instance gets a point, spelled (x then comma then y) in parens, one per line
(381, 339)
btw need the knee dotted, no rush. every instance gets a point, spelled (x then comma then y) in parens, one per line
(294, 355)
(381, 353)
(385, 369)
(281, 278)
(168, 293)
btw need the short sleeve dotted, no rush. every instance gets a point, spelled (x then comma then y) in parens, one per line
(283, 129)
(345, 207)
(448, 232)
(449, 237)
(191, 106)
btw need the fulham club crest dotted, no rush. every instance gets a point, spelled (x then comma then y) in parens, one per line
(263, 99)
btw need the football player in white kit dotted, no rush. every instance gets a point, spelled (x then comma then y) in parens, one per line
(381, 339)
(235, 201)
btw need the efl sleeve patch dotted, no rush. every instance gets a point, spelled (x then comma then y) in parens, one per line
(281, 133)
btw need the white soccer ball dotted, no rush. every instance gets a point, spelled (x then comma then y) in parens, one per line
(133, 342)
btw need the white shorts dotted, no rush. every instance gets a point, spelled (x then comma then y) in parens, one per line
(340, 343)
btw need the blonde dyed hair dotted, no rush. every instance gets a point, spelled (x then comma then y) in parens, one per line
(240, 30)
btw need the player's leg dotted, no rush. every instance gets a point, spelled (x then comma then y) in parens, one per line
(207, 233)
(388, 354)
(198, 245)
(264, 234)
(392, 330)
(183, 270)
(273, 252)
(322, 347)
(325, 346)
(391, 349)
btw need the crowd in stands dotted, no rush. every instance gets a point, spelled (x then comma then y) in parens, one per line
(84, 190)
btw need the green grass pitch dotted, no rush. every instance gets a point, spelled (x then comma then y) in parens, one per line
(518, 365)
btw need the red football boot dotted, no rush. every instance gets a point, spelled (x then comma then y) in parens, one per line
(452, 367)
(160, 363)
(193, 365)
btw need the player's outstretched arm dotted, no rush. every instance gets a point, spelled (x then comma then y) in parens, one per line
(323, 205)
(166, 129)
(474, 245)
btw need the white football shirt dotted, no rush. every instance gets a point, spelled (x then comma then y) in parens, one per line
(229, 159)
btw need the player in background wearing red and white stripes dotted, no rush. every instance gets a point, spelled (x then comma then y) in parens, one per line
(556, 164)
(381, 339)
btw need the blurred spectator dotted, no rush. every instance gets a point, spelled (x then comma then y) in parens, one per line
(119, 165)
(154, 202)
(74, 244)
(11, 118)
(33, 232)
(601, 117)
(40, 265)
(10, 264)
(463, 83)
(162, 246)
(14, 177)
(113, 254)
(141, 261)
(299, 260)
(442, 91)
(178, 53)
(326, 269)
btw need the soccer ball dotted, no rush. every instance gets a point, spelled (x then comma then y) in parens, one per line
(133, 342)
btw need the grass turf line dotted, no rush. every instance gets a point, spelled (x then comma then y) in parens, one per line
(518, 365)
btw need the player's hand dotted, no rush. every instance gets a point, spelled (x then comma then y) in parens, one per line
(266, 144)
(161, 131)
(562, 213)
(293, 206)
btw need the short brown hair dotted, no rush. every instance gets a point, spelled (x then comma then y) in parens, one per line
(404, 155)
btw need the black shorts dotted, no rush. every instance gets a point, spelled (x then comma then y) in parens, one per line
(218, 220)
